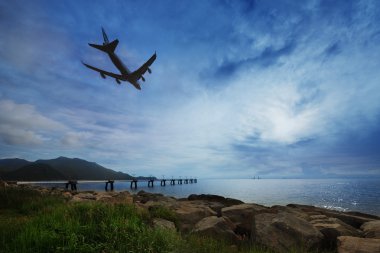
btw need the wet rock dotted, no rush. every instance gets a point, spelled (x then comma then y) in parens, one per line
(284, 231)
(349, 244)
(163, 224)
(216, 227)
(371, 229)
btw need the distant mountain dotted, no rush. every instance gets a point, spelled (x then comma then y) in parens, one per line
(34, 172)
(11, 164)
(61, 168)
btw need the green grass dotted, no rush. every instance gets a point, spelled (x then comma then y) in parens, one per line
(35, 222)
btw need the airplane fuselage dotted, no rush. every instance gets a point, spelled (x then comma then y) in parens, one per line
(125, 72)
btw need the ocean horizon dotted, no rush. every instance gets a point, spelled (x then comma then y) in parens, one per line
(361, 195)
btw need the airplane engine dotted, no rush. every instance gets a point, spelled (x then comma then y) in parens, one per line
(103, 75)
(149, 71)
(142, 78)
(118, 81)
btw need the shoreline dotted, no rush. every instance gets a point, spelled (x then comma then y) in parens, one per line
(279, 227)
(255, 191)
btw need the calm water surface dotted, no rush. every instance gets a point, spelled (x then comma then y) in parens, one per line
(340, 194)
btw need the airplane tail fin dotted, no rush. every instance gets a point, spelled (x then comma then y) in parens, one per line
(108, 48)
(105, 38)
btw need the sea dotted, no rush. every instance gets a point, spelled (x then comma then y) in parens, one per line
(362, 195)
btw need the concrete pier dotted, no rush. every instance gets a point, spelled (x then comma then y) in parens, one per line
(109, 183)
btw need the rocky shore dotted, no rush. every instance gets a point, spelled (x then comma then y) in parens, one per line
(280, 228)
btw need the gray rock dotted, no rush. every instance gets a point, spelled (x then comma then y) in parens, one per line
(349, 244)
(332, 228)
(145, 197)
(83, 196)
(354, 219)
(190, 212)
(215, 198)
(371, 229)
(284, 231)
(217, 227)
(243, 216)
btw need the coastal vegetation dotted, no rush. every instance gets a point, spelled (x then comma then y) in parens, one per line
(31, 221)
(34, 222)
(43, 220)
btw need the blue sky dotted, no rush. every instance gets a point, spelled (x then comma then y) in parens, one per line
(239, 88)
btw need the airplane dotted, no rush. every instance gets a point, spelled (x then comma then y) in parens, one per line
(125, 73)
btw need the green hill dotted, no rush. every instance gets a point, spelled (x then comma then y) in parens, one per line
(11, 164)
(60, 168)
(35, 172)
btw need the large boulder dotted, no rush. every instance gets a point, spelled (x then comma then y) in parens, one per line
(332, 228)
(190, 212)
(349, 244)
(215, 198)
(285, 231)
(354, 219)
(371, 229)
(215, 202)
(243, 216)
(145, 197)
(216, 227)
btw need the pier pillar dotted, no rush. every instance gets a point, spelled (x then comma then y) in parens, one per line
(172, 182)
(195, 180)
(186, 181)
(163, 182)
(191, 181)
(150, 183)
(73, 185)
(110, 182)
(179, 181)
(134, 184)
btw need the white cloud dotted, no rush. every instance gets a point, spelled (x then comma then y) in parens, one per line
(23, 124)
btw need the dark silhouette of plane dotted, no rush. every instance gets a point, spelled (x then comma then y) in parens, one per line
(125, 73)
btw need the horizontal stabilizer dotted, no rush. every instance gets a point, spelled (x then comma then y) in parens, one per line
(108, 48)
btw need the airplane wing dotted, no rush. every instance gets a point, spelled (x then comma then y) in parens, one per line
(145, 67)
(102, 72)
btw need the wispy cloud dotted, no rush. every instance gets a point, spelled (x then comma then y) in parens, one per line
(239, 88)
(21, 124)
